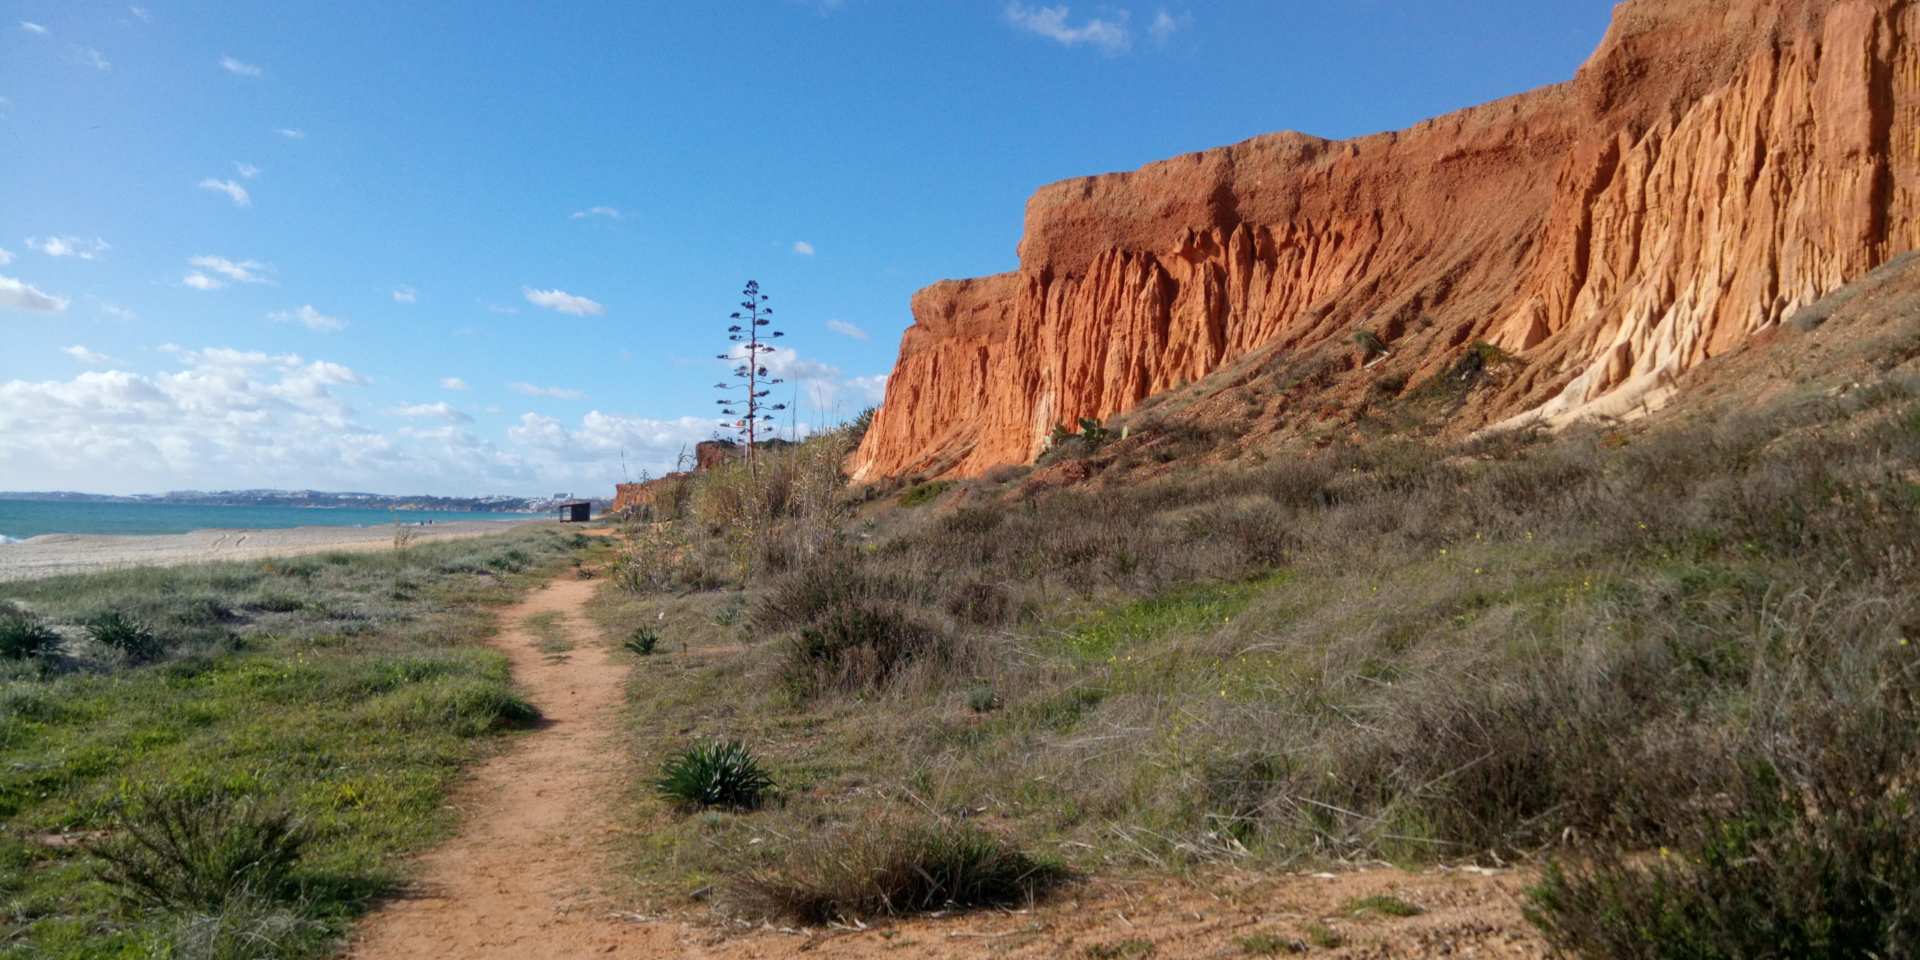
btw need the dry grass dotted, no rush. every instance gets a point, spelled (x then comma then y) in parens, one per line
(1408, 651)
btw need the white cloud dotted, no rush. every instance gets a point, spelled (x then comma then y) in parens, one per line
(118, 312)
(554, 393)
(5, 258)
(803, 248)
(563, 302)
(232, 188)
(247, 170)
(502, 309)
(200, 281)
(141, 13)
(291, 134)
(69, 247)
(822, 384)
(82, 355)
(20, 295)
(224, 418)
(1108, 36)
(90, 57)
(846, 329)
(431, 411)
(34, 28)
(405, 295)
(239, 69)
(452, 383)
(869, 389)
(1165, 25)
(650, 444)
(310, 318)
(242, 271)
(610, 213)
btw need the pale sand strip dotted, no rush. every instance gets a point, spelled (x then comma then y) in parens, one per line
(58, 553)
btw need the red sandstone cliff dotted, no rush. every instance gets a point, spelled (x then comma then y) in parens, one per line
(1716, 165)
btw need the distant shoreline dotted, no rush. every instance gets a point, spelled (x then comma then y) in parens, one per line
(58, 554)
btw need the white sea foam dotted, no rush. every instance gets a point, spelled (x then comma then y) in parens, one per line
(4, 540)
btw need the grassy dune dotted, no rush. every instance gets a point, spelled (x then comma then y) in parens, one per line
(340, 692)
(1694, 635)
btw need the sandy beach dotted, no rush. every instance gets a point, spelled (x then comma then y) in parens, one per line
(58, 553)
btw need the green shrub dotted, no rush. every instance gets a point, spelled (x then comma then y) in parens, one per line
(1383, 905)
(1813, 851)
(24, 637)
(858, 646)
(893, 870)
(714, 775)
(643, 641)
(982, 699)
(923, 494)
(183, 851)
(131, 638)
(1269, 945)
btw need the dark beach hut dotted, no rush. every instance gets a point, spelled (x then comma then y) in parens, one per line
(576, 511)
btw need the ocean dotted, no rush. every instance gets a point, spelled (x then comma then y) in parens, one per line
(20, 519)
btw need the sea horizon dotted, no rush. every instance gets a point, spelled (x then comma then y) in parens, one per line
(24, 519)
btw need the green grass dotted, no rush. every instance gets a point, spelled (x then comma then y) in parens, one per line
(550, 634)
(354, 708)
(1381, 905)
(1189, 609)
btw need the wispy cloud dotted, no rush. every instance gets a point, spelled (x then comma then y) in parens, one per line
(118, 312)
(20, 295)
(452, 383)
(141, 14)
(247, 170)
(232, 188)
(555, 393)
(239, 68)
(200, 281)
(803, 248)
(1108, 36)
(431, 411)
(241, 271)
(1165, 25)
(5, 258)
(291, 134)
(563, 302)
(405, 295)
(82, 355)
(310, 318)
(608, 213)
(846, 329)
(91, 57)
(68, 247)
(34, 28)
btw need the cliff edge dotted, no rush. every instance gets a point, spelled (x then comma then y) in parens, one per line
(1715, 166)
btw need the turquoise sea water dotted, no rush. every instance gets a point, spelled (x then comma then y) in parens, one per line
(20, 519)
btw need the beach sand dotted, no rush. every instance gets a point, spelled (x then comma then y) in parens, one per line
(58, 553)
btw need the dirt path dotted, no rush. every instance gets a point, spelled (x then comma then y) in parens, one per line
(520, 878)
(527, 876)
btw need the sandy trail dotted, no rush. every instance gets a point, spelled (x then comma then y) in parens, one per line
(519, 879)
(528, 875)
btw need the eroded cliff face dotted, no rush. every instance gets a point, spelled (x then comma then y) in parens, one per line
(1715, 166)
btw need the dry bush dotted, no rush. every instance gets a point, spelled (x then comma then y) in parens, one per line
(895, 869)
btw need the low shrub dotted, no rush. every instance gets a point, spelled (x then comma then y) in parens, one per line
(893, 870)
(24, 637)
(714, 775)
(643, 641)
(129, 637)
(182, 851)
(859, 646)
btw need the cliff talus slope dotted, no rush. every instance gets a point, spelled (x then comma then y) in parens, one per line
(1715, 166)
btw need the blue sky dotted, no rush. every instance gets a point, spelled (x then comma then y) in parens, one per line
(479, 247)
